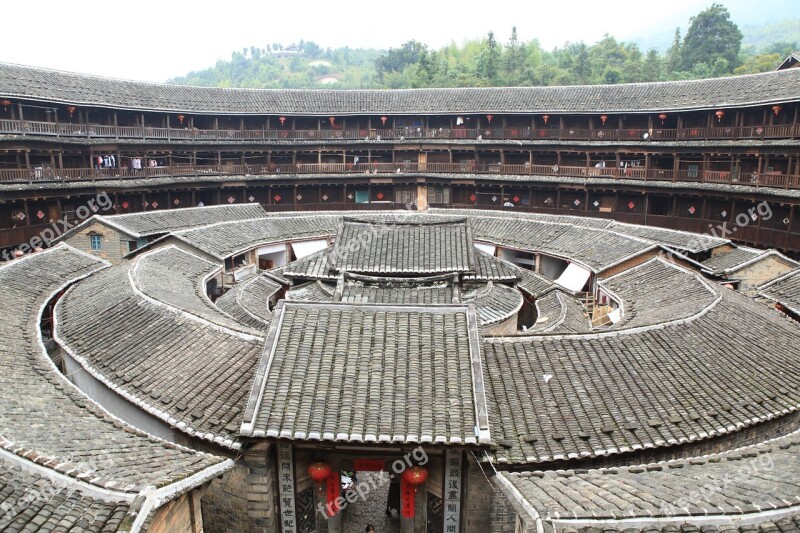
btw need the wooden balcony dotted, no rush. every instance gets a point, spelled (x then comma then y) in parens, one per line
(90, 131)
(39, 175)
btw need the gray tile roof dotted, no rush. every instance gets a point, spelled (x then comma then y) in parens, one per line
(397, 291)
(173, 365)
(362, 373)
(493, 302)
(597, 249)
(558, 313)
(150, 223)
(46, 420)
(730, 259)
(575, 396)
(678, 240)
(535, 284)
(33, 502)
(408, 247)
(314, 266)
(248, 302)
(225, 239)
(785, 290)
(68, 88)
(178, 279)
(313, 291)
(718, 489)
(490, 268)
(657, 292)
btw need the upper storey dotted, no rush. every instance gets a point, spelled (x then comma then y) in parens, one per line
(50, 86)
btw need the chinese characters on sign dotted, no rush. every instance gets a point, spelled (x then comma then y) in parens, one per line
(452, 491)
(286, 488)
(407, 493)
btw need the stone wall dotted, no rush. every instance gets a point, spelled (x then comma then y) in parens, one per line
(113, 243)
(484, 508)
(245, 498)
(761, 272)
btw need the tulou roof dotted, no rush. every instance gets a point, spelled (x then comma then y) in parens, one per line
(570, 396)
(17, 81)
(752, 485)
(370, 374)
(56, 439)
(150, 223)
(391, 247)
(785, 290)
(175, 358)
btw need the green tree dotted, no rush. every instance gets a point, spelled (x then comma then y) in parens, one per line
(759, 63)
(651, 70)
(514, 59)
(489, 60)
(397, 59)
(711, 35)
(674, 53)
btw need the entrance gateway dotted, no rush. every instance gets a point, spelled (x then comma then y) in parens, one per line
(369, 394)
(309, 505)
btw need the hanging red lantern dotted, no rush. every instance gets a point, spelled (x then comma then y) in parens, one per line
(603, 119)
(319, 471)
(720, 114)
(663, 117)
(71, 110)
(776, 109)
(416, 475)
(384, 119)
(5, 103)
(332, 120)
(489, 118)
(545, 118)
(180, 119)
(282, 120)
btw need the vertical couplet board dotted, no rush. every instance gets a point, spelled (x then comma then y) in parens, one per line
(452, 491)
(333, 490)
(286, 488)
(407, 493)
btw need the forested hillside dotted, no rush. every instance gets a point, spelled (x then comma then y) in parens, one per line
(711, 47)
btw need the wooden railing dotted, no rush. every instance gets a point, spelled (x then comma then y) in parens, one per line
(28, 127)
(770, 179)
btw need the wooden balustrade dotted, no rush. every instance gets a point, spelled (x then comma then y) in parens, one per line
(770, 179)
(27, 127)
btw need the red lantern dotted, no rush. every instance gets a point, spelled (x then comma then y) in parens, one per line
(775, 109)
(384, 119)
(489, 118)
(603, 119)
(71, 110)
(720, 114)
(663, 117)
(332, 120)
(282, 120)
(416, 475)
(319, 471)
(545, 118)
(180, 118)
(5, 103)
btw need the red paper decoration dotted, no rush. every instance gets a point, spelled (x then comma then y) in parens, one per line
(384, 119)
(407, 496)
(125, 204)
(379, 196)
(631, 204)
(516, 199)
(319, 471)
(333, 491)
(472, 197)
(416, 475)
(277, 198)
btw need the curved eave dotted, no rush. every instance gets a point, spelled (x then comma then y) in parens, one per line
(65, 88)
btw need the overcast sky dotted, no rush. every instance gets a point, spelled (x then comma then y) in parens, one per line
(156, 40)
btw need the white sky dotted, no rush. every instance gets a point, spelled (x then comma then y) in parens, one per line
(155, 40)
